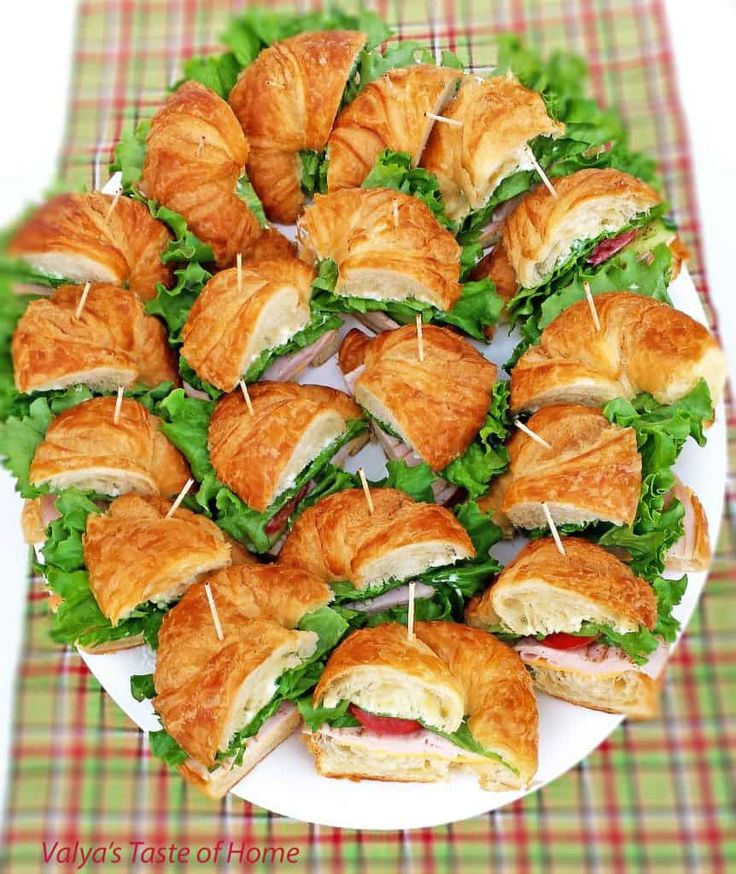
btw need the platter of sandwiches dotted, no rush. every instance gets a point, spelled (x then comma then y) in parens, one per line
(367, 430)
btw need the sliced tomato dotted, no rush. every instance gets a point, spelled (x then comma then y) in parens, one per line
(566, 641)
(384, 724)
(607, 248)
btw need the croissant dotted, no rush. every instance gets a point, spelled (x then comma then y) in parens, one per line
(96, 238)
(239, 315)
(436, 405)
(644, 345)
(111, 343)
(135, 554)
(494, 120)
(447, 672)
(387, 246)
(390, 113)
(260, 456)
(542, 231)
(286, 102)
(85, 448)
(591, 472)
(208, 689)
(195, 153)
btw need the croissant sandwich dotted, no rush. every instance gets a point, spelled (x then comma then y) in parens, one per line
(369, 557)
(590, 472)
(97, 238)
(387, 246)
(394, 112)
(491, 123)
(390, 708)
(643, 346)
(255, 320)
(692, 551)
(225, 703)
(269, 457)
(583, 624)
(427, 409)
(137, 555)
(195, 154)
(286, 102)
(103, 341)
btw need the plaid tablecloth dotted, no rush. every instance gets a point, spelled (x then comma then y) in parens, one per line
(654, 797)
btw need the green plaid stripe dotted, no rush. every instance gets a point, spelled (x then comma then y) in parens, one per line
(655, 797)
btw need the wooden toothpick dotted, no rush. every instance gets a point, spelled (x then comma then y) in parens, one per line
(591, 305)
(410, 613)
(118, 405)
(533, 434)
(542, 175)
(213, 610)
(239, 268)
(420, 337)
(366, 491)
(82, 300)
(553, 529)
(202, 141)
(179, 498)
(112, 206)
(246, 396)
(444, 119)
(395, 212)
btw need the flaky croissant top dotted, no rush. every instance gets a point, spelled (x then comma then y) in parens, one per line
(644, 345)
(110, 343)
(437, 404)
(491, 122)
(390, 113)
(387, 245)
(95, 237)
(286, 101)
(259, 456)
(85, 446)
(195, 154)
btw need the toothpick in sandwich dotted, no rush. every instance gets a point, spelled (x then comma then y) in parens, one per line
(420, 338)
(553, 529)
(533, 434)
(591, 305)
(366, 490)
(113, 205)
(542, 175)
(118, 405)
(410, 613)
(213, 610)
(179, 498)
(82, 300)
(246, 396)
(453, 122)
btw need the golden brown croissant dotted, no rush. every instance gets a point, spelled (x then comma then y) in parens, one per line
(259, 456)
(134, 554)
(446, 672)
(111, 343)
(286, 102)
(541, 232)
(390, 113)
(387, 246)
(436, 406)
(207, 689)
(644, 345)
(233, 321)
(85, 448)
(495, 119)
(543, 595)
(195, 153)
(81, 237)
(338, 539)
(592, 471)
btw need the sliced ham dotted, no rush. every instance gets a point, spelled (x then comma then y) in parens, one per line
(397, 450)
(596, 658)
(377, 321)
(352, 377)
(607, 248)
(289, 367)
(395, 598)
(399, 744)
(492, 231)
(692, 550)
(192, 392)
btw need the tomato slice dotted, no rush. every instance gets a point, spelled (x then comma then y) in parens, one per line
(560, 640)
(384, 724)
(282, 517)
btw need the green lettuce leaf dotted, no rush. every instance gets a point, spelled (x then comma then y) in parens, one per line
(487, 456)
(315, 717)
(416, 481)
(245, 191)
(164, 747)
(130, 155)
(446, 604)
(142, 687)
(314, 171)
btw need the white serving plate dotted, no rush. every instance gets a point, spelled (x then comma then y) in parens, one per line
(287, 783)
